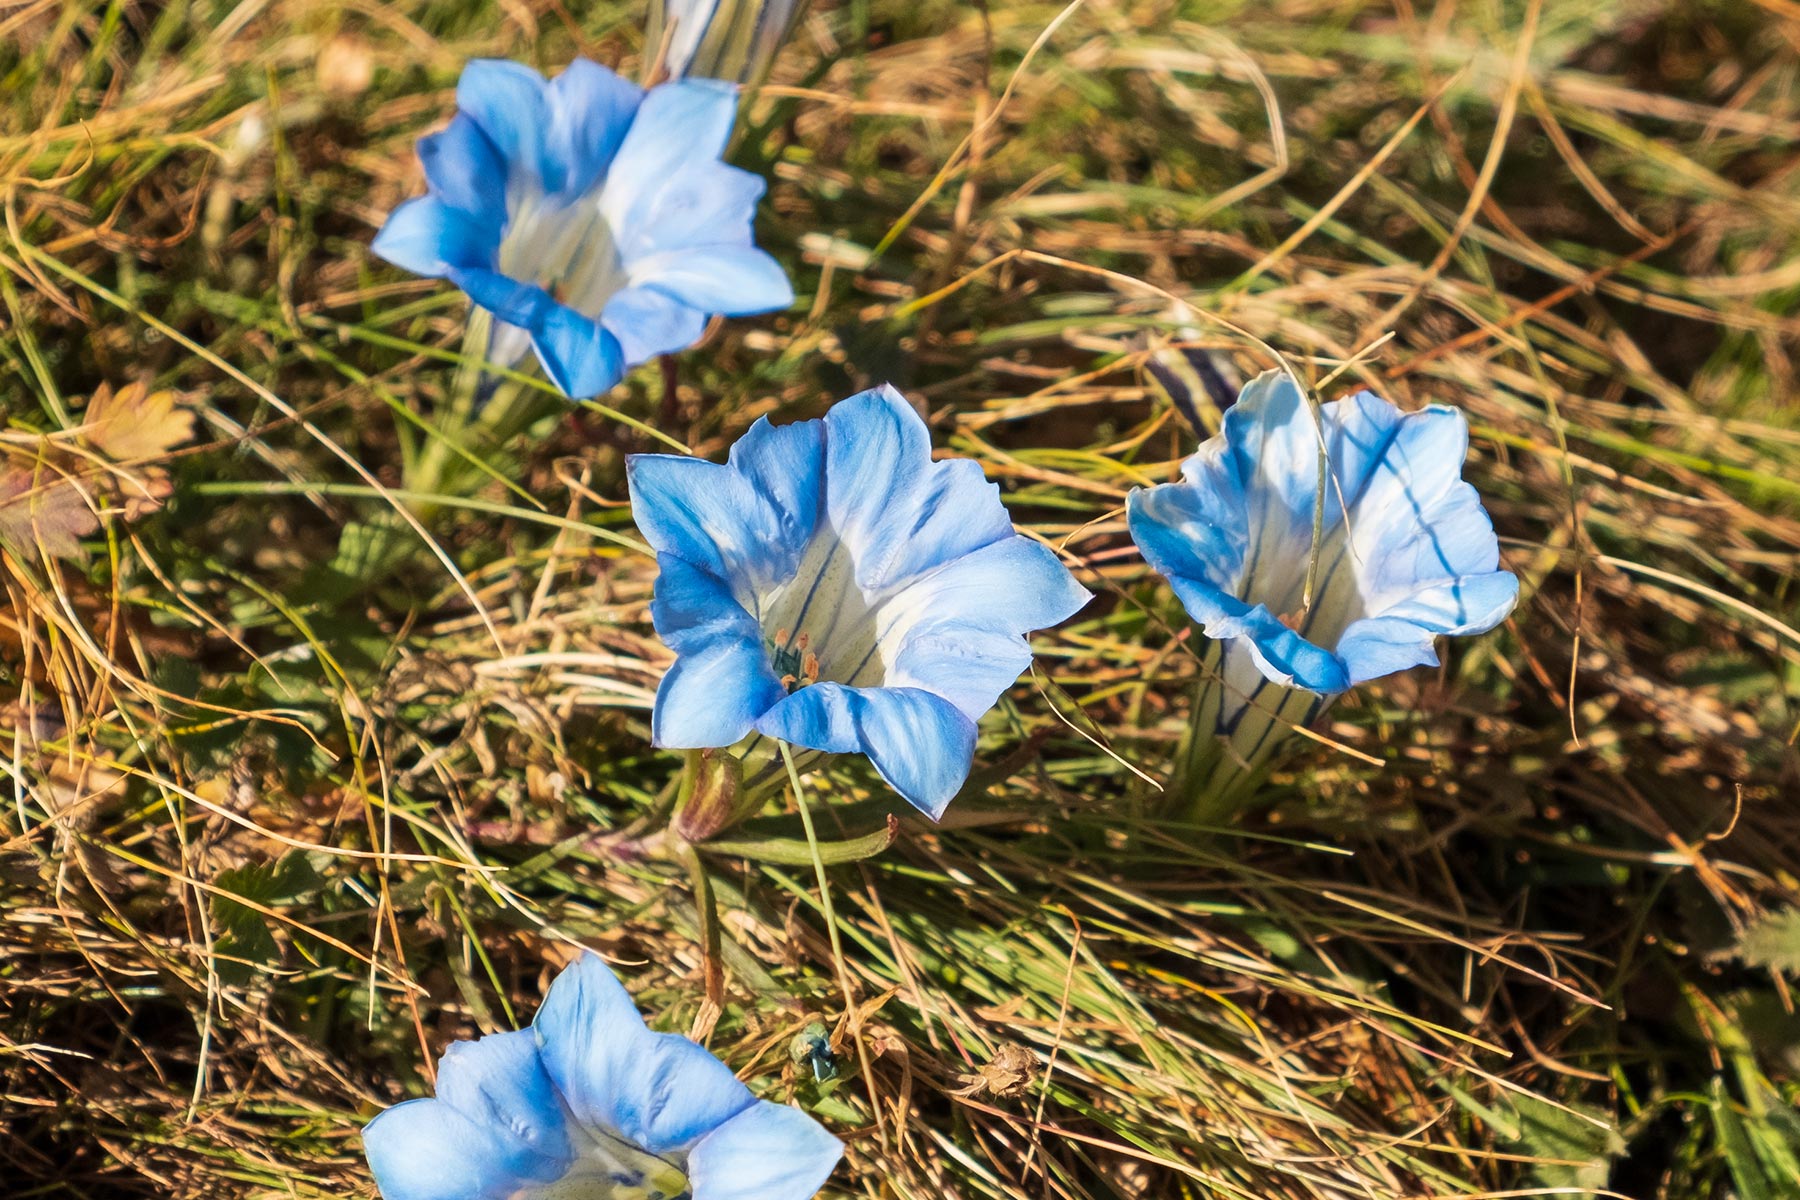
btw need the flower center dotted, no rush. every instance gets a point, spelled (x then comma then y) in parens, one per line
(818, 626)
(796, 665)
(1281, 574)
(608, 1169)
(565, 247)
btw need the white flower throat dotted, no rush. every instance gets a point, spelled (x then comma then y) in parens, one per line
(606, 1168)
(818, 626)
(565, 247)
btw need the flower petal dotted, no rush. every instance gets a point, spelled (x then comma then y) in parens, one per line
(506, 99)
(647, 322)
(732, 281)
(706, 203)
(426, 1150)
(786, 466)
(1193, 529)
(921, 743)
(1283, 655)
(748, 521)
(767, 1152)
(428, 237)
(721, 681)
(581, 357)
(591, 110)
(498, 1082)
(655, 183)
(1273, 441)
(1401, 637)
(467, 173)
(657, 1091)
(959, 631)
(899, 513)
(523, 304)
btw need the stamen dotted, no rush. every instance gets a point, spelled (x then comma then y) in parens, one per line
(795, 665)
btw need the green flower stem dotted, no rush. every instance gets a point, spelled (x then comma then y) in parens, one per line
(1217, 775)
(486, 412)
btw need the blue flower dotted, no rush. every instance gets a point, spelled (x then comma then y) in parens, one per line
(1407, 552)
(593, 219)
(833, 588)
(720, 39)
(588, 1102)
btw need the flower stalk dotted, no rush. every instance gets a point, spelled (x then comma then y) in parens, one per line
(1231, 744)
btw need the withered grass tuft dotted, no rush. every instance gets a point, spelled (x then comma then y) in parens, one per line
(279, 827)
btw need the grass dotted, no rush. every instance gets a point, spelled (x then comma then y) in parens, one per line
(281, 827)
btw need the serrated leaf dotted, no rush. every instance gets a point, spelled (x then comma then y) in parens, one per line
(1774, 942)
(245, 939)
(42, 510)
(1572, 1152)
(135, 424)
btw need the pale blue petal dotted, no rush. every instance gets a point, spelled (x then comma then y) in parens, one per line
(467, 173)
(1190, 530)
(507, 100)
(786, 466)
(498, 1082)
(767, 1152)
(718, 518)
(919, 742)
(706, 203)
(1273, 443)
(591, 110)
(648, 323)
(426, 1150)
(711, 697)
(657, 1091)
(959, 631)
(678, 126)
(732, 281)
(1402, 636)
(1390, 464)
(899, 513)
(427, 237)
(694, 608)
(710, 203)
(580, 356)
(721, 681)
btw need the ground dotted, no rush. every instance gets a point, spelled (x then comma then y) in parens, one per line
(287, 816)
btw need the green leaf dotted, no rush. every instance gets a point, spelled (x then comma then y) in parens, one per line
(245, 940)
(796, 852)
(1774, 942)
(1576, 1149)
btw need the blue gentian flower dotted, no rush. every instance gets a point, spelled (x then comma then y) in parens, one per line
(594, 219)
(833, 588)
(1407, 553)
(720, 39)
(588, 1102)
